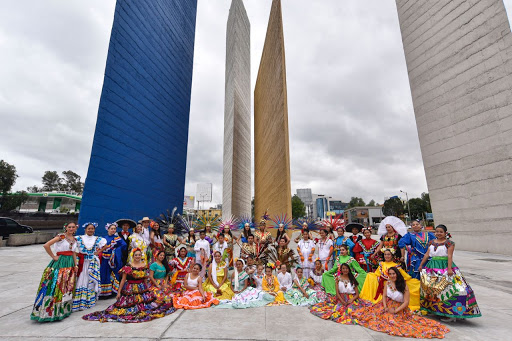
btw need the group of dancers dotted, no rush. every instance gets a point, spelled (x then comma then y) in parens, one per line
(387, 285)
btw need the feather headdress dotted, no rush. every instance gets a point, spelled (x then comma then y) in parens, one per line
(282, 220)
(333, 223)
(231, 223)
(203, 221)
(242, 221)
(309, 223)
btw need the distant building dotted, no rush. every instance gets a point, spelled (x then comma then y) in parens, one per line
(52, 202)
(325, 206)
(210, 213)
(366, 215)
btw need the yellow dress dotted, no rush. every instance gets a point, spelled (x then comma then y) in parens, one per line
(272, 287)
(225, 288)
(372, 285)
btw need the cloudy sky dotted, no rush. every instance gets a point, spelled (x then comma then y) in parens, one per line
(351, 120)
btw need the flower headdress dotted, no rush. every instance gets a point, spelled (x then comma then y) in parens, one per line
(143, 254)
(85, 225)
(384, 249)
(282, 220)
(110, 224)
(271, 265)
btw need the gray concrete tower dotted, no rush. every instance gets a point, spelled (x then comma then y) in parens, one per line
(236, 186)
(459, 60)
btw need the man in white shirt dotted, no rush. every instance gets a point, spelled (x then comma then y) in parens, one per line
(325, 249)
(221, 246)
(202, 250)
(145, 230)
(284, 278)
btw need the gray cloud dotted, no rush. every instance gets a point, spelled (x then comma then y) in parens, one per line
(351, 120)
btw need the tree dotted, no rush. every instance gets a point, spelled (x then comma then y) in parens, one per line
(8, 176)
(418, 208)
(252, 207)
(393, 206)
(72, 182)
(298, 207)
(371, 203)
(426, 198)
(33, 189)
(51, 181)
(356, 202)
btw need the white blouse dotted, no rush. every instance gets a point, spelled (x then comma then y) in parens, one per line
(316, 278)
(285, 280)
(306, 248)
(441, 251)
(193, 282)
(63, 245)
(395, 295)
(89, 241)
(346, 288)
(259, 281)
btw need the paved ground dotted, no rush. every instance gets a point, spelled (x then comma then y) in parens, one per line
(21, 268)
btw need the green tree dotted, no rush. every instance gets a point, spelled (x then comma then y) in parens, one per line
(33, 189)
(393, 206)
(72, 182)
(356, 202)
(418, 207)
(8, 176)
(298, 207)
(371, 203)
(252, 208)
(51, 181)
(426, 198)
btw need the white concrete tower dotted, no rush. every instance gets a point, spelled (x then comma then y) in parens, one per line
(459, 59)
(236, 187)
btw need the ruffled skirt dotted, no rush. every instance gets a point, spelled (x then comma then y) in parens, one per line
(371, 285)
(54, 299)
(404, 323)
(249, 298)
(162, 292)
(87, 286)
(296, 298)
(192, 299)
(332, 309)
(136, 304)
(444, 295)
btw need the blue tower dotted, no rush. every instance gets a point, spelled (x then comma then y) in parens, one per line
(139, 153)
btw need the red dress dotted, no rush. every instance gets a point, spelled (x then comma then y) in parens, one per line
(363, 250)
(182, 267)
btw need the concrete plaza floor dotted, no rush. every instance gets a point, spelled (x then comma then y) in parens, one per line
(21, 269)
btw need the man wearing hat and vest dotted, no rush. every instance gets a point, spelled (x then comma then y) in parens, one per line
(145, 230)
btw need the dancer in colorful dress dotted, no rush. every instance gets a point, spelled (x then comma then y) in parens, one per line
(246, 226)
(364, 251)
(159, 272)
(245, 296)
(126, 225)
(182, 265)
(393, 316)
(137, 242)
(270, 285)
(355, 229)
(190, 242)
(87, 288)
(228, 237)
(417, 243)
(300, 294)
(375, 281)
(134, 302)
(170, 240)
(282, 223)
(306, 251)
(315, 281)
(218, 282)
(258, 276)
(194, 297)
(325, 249)
(222, 246)
(341, 240)
(444, 291)
(339, 307)
(248, 249)
(328, 281)
(54, 298)
(263, 238)
(111, 261)
(391, 230)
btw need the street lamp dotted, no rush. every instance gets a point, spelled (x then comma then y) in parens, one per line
(408, 207)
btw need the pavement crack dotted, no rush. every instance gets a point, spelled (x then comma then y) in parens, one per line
(12, 312)
(171, 324)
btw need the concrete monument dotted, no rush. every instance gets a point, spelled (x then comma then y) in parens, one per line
(459, 59)
(272, 185)
(236, 194)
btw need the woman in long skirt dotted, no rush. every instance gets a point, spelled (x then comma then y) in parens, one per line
(87, 288)
(194, 297)
(218, 282)
(111, 261)
(182, 265)
(444, 291)
(134, 302)
(315, 281)
(393, 316)
(300, 294)
(159, 272)
(339, 307)
(54, 299)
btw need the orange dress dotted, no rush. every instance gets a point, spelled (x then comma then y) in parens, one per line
(192, 299)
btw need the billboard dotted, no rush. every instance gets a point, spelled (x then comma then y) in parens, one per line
(188, 201)
(204, 192)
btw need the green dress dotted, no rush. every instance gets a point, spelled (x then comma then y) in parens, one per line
(328, 281)
(294, 296)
